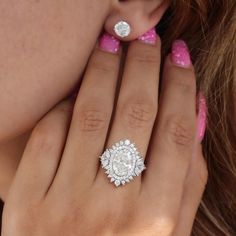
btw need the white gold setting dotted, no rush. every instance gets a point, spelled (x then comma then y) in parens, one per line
(122, 29)
(122, 162)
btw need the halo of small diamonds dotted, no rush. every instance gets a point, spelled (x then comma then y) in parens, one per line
(122, 162)
(122, 29)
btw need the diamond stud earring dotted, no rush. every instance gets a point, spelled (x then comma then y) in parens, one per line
(122, 29)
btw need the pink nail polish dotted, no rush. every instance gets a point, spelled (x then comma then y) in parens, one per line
(180, 54)
(202, 117)
(149, 37)
(109, 43)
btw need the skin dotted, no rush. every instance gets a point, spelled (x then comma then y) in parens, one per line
(44, 48)
(45, 45)
(161, 202)
(10, 156)
(42, 51)
(55, 68)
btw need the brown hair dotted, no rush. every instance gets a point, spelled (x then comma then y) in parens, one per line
(209, 28)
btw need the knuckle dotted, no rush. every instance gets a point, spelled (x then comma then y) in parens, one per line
(139, 113)
(42, 137)
(146, 58)
(102, 66)
(92, 119)
(180, 131)
(186, 85)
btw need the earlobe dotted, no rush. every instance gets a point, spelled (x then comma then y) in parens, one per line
(140, 15)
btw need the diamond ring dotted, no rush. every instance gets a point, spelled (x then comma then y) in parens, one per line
(122, 162)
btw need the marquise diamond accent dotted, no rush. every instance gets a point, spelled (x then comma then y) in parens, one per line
(122, 162)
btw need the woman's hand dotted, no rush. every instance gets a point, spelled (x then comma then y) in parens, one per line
(60, 187)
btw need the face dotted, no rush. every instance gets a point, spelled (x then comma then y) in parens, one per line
(44, 46)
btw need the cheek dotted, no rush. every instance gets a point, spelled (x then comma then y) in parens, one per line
(44, 46)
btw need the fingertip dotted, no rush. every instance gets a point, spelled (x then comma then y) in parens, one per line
(169, 63)
(109, 43)
(180, 55)
(150, 38)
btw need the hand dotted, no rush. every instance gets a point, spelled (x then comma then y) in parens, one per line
(60, 187)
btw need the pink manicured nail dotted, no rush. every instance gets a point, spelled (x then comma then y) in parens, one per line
(149, 37)
(202, 117)
(109, 43)
(180, 54)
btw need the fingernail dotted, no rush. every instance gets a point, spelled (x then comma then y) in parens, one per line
(180, 54)
(109, 43)
(202, 117)
(149, 37)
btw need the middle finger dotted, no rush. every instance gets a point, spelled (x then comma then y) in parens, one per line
(138, 98)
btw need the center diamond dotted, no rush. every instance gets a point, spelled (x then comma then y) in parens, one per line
(122, 164)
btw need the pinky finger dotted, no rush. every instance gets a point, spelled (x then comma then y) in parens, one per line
(193, 191)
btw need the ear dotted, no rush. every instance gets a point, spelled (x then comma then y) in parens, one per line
(142, 15)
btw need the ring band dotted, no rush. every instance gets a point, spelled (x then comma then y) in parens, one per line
(122, 162)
